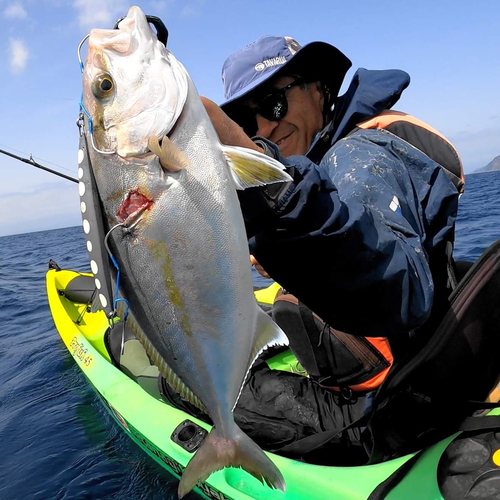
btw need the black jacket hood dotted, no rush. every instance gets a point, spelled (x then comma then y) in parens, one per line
(370, 92)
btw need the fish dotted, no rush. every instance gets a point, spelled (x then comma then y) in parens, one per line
(168, 194)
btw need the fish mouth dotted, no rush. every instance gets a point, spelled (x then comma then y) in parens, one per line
(133, 207)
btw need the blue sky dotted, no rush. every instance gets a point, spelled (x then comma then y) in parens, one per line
(450, 48)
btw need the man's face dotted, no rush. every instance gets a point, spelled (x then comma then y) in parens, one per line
(294, 133)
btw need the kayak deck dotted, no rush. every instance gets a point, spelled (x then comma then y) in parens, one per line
(151, 422)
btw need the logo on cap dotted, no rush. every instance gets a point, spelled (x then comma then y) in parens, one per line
(269, 63)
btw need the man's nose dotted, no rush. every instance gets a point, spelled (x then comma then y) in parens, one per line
(265, 127)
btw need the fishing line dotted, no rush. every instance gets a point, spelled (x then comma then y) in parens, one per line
(82, 107)
(33, 157)
(87, 307)
(33, 163)
(117, 299)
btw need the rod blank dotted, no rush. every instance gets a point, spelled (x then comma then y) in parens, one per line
(33, 163)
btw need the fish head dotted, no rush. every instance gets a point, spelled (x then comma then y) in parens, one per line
(133, 86)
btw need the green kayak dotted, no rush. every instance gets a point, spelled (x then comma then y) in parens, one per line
(159, 429)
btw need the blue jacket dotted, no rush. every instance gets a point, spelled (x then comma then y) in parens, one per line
(360, 236)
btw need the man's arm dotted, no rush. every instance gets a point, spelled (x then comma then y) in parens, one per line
(361, 260)
(229, 131)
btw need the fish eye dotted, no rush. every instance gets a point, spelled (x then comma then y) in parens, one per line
(103, 86)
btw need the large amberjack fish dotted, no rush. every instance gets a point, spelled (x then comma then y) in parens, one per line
(175, 229)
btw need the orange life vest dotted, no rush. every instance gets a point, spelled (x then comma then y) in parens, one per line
(367, 360)
(437, 147)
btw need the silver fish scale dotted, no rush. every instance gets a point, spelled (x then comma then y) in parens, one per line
(186, 262)
(182, 249)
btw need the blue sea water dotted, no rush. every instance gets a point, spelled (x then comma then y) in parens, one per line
(57, 441)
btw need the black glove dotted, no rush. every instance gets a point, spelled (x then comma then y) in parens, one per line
(262, 205)
(264, 201)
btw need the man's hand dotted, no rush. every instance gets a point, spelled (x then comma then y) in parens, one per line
(258, 267)
(229, 132)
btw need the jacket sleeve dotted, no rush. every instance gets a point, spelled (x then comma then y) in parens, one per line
(352, 237)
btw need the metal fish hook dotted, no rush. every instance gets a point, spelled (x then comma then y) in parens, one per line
(82, 107)
(80, 49)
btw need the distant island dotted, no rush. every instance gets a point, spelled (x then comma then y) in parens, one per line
(493, 166)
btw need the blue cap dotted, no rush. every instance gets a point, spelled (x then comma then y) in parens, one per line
(253, 65)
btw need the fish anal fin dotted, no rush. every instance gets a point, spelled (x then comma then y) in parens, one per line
(251, 168)
(233, 449)
(170, 376)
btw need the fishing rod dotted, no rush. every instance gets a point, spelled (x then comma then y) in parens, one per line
(31, 161)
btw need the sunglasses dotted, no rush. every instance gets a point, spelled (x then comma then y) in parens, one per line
(272, 107)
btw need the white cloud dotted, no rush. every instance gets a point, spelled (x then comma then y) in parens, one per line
(100, 13)
(15, 11)
(45, 207)
(162, 6)
(193, 9)
(18, 55)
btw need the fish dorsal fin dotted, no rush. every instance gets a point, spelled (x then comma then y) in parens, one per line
(251, 168)
(267, 334)
(170, 376)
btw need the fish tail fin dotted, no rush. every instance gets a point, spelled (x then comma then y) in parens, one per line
(237, 450)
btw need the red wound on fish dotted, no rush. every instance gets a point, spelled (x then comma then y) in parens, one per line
(134, 202)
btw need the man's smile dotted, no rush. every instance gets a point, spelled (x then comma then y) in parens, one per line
(280, 142)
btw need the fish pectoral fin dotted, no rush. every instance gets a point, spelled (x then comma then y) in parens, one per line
(171, 157)
(251, 168)
(171, 377)
(231, 449)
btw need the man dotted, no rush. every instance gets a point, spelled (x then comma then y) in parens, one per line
(362, 236)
